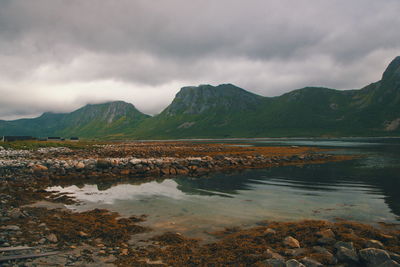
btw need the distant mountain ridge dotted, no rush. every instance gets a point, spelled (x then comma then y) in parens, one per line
(226, 110)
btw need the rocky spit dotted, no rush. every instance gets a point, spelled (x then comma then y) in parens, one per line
(103, 238)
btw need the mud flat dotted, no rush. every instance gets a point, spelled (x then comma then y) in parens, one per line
(103, 238)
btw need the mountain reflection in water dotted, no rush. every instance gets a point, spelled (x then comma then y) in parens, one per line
(366, 189)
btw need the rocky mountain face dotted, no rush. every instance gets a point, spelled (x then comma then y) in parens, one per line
(228, 111)
(93, 120)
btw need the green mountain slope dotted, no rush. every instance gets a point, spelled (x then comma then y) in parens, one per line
(228, 111)
(98, 120)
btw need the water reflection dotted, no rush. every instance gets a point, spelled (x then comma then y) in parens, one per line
(366, 189)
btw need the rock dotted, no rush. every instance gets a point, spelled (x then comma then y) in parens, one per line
(394, 256)
(80, 165)
(291, 242)
(273, 255)
(295, 252)
(308, 262)
(11, 228)
(274, 263)
(389, 263)
(294, 263)
(39, 168)
(373, 256)
(269, 231)
(103, 164)
(82, 234)
(326, 237)
(346, 255)
(348, 245)
(15, 213)
(52, 238)
(374, 244)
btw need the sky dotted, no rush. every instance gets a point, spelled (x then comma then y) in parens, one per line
(58, 55)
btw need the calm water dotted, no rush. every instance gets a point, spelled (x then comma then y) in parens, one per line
(365, 189)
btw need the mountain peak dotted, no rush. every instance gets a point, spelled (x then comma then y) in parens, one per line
(393, 70)
(200, 99)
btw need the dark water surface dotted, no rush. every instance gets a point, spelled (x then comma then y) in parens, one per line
(365, 189)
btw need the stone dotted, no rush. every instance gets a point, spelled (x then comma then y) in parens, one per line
(389, 263)
(15, 213)
(394, 256)
(346, 255)
(80, 165)
(308, 262)
(374, 244)
(273, 255)
(294, 263)
(103, 164)
(348, 245)
(269, 231)
(274, 263)
(295, 252)
(39, 168)
(326, 237)
(11, 228)
(83, 234)
(373, 256)
(291, 242)
(52, 238)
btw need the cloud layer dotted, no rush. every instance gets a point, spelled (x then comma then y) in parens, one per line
(56, 55)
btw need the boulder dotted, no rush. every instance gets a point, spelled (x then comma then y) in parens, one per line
(39, 168)
(52, 238)
(326, 237)
(103, 164)
(80, 165)
(373, 257)
(346, 255)
(348, 245)
(291, 242)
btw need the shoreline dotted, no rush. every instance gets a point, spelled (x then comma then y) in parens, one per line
(103, 237)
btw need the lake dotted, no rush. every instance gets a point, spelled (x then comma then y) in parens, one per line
(365, 189)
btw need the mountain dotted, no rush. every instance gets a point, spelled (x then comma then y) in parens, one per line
(93, 120)
(226, 110)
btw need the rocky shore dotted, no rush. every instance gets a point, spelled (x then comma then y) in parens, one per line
(170, 160)
(103, 238)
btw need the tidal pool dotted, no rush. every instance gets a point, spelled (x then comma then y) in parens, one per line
(366, 189)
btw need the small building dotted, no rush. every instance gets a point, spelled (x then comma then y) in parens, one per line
(12, 138)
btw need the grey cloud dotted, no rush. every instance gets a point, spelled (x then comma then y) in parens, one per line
(268, 47)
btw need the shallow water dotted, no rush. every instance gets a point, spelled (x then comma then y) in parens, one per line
(366, 189)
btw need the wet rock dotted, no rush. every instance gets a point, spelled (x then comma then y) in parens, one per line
(374, 244)
(274, 263)
(346, 255)
(294, 263)
(373, 256)
(52, 238)
(308, 262)
(291, 242)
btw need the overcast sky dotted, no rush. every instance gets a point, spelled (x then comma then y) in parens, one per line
(57, 55)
